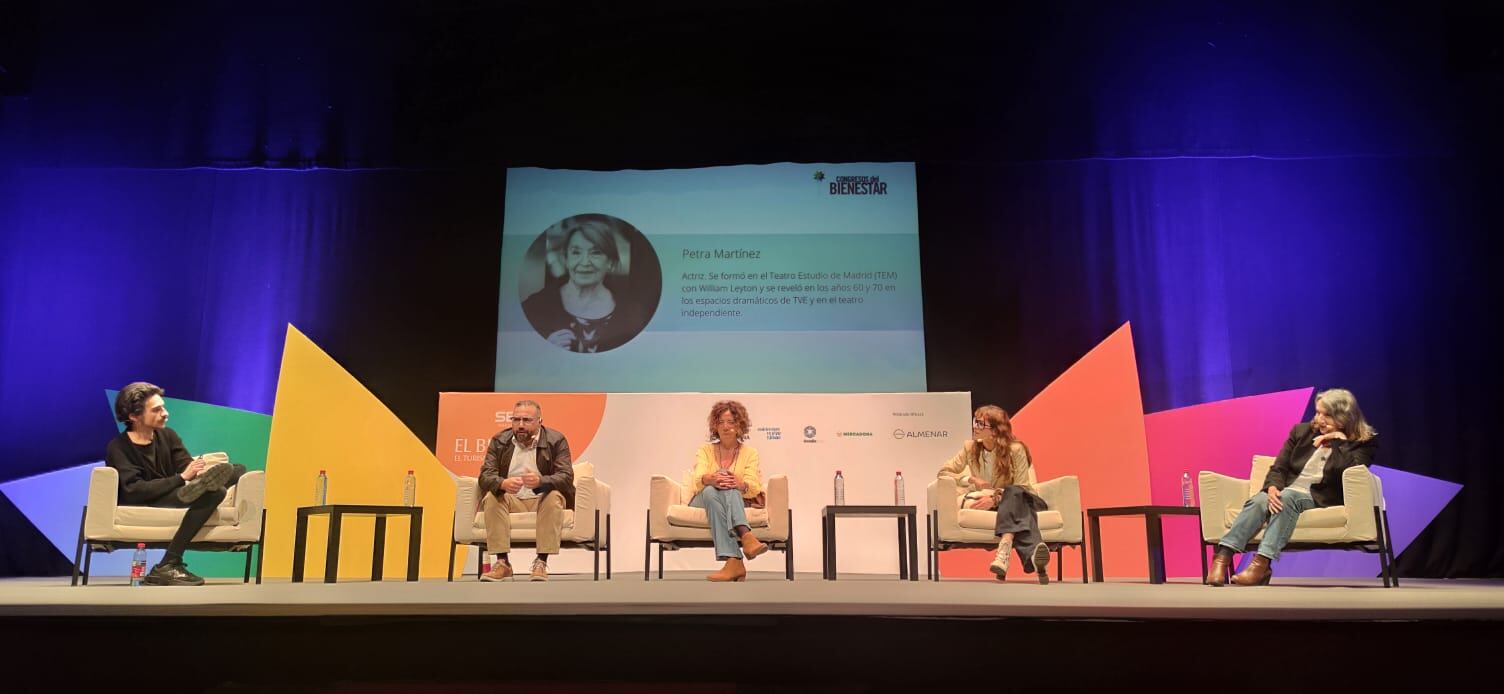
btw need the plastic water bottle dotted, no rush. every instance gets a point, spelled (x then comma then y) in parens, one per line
(898, 489)
(840, 489)
(1185, 489)
(321, 489)
(410, 490)
(138, 564)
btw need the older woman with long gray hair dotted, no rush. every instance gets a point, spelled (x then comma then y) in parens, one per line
(1306, 475)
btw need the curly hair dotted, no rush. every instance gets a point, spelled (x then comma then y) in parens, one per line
(738, 414)
(131, 400)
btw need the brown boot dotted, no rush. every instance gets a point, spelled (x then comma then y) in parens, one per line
(1258, 573)
(733, 570)
(1221, 566)
(751, 546)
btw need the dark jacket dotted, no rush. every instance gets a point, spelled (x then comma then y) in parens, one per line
(554, 464)
(1298, 450)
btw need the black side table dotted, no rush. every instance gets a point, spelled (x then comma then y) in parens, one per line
(908, 544)
(336, 513)
(1154, 527)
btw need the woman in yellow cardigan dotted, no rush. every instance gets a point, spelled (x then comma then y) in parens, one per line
(725, 481)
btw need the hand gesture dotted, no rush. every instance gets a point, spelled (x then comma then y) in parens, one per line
(1275, 505)
(984, 503)
(193, 469)
(511, 485)
(727, 480)
(1333, 436)
(530, 479)
(562, 337)
(978, 482)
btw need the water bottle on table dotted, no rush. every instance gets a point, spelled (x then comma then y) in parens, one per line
(840, 489)
(1185, 489)
(138, 564)
(410, 490)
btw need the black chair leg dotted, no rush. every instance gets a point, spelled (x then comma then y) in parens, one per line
(608, 546)
(647, 546)
(261, 547)
(595, 544)
(788, 550)
(1389, 547)
(247, 578)
(452, 547)
(88, 558)
(79, 550)
(1060, 564)
(660, 561)
(1081, 550)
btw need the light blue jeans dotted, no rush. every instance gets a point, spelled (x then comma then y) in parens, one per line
(725, 510)
(1281, 526)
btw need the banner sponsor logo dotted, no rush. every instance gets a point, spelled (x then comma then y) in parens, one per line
(771, 433)
(809, 434)
(855, 185)
(903, 434)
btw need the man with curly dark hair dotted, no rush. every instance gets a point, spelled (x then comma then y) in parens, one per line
(156, 470)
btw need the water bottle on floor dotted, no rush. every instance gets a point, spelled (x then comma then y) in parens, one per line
(840, 489)
(1185, 489)
(138, 564)
(898, 489)
(321, 489)
(410, 490)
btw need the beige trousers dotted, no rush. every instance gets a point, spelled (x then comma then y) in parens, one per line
(550, 510)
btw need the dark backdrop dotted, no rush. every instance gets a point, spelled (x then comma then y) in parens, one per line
(1277, 195)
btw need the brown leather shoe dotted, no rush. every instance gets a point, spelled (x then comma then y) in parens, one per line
(1221, 566)
(500, 571)
(540, 571)
(752, 547)
(1258, 573)
(733, 570)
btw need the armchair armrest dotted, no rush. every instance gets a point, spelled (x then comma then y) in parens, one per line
(1358, 495)
(466, 496)
(664, 493)
(1063, 494)
(250, 499)
(1219, 493)
(942, 495)
(104, 491)
(778, 506)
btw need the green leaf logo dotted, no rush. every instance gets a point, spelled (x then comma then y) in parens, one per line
(819, 175)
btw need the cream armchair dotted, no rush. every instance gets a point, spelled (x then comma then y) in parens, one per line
(1362, 523)
(238, 525)
(948, 526)
(673, 524)
(586, 526)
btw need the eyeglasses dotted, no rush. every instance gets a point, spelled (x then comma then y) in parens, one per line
(979, 424)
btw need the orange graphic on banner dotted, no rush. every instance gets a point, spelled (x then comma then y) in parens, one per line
(467, 421)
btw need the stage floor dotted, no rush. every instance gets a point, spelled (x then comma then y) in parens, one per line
(766, 594)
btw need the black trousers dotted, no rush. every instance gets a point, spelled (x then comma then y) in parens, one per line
(199, 513)
(1017, 513)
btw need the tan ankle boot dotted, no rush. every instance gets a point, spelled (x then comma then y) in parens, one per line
(733, 570)
(1258, 573)
(752, 547)
(1221, 563)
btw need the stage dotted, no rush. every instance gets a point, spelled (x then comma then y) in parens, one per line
(862, 633)
(765, 594)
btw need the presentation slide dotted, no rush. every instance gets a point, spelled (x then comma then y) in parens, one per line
(767, 278)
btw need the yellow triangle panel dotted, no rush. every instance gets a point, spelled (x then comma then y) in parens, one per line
(324, 419)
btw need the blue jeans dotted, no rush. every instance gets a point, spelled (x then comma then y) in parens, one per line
(725, 510)
(1281, 526)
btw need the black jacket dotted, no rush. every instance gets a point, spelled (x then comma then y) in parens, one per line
(554, 464)
(1298, 450)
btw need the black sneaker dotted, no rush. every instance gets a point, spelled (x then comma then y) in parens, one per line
(210, 479)
(171, 574)
(1042, 563)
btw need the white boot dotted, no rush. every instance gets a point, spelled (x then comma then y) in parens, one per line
(999, 565)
